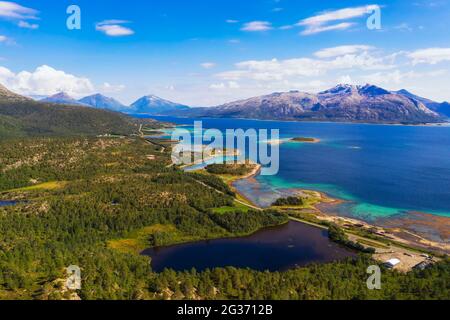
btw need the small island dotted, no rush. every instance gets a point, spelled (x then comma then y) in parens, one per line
(305, 140)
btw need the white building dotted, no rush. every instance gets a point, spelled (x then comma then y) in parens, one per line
(392, 263)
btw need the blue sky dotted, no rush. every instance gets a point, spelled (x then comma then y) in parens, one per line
(207, 52)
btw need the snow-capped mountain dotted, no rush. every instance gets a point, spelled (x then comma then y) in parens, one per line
(100, 101)
(351, 103)
(154, 105)
(62, 98)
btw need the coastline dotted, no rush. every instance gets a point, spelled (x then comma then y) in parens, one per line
(254, 173)
(431, 124)
(395, 234)
(399, 233)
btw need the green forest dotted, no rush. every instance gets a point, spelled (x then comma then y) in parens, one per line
(27, 118)
(96, 202)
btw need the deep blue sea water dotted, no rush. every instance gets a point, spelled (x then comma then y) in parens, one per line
(382, 170)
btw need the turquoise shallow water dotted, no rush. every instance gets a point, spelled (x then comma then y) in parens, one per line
(381, 171)
(351, 207)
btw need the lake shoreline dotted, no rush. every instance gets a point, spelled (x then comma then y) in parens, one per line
(297, 245)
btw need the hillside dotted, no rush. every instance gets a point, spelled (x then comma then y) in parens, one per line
(9, 96)
(343, 103)
(441, 108)
(98, 202)
(20, 116)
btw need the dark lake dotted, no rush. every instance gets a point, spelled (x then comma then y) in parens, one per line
(7, 203)
(274, 249)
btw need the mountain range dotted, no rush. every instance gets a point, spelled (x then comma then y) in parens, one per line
(343, 103)
(21, 117)
(150, 105)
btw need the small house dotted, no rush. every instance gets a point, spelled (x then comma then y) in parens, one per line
(392, 263)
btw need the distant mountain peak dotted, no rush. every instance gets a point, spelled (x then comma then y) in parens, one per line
(100, 101)
(370, 89)
(152, 96)
(340, 89)
(404, 91)
(342, 103)
(62, 98)
(154, 105)
(61, 95)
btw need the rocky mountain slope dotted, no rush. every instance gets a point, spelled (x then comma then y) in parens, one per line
(6, 95)
(441, 108)
(343, 103)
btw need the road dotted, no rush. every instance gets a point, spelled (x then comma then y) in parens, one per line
(237, 200)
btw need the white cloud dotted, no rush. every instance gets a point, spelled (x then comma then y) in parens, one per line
(318, 23)
(341, 14)
(7, 40)
(256, 26)
(223, 85)
(217, 86)
(430, 55)
(231, 21)
(277, 70)
(112, 88)
(319, 28)
(286, 27)
(114, 28)
(208, 65)
(346, 79)
(403, 27)
(27, 25)
(341, 51)
(383, 78)
(45, 80)
(397, 77)
(12, 10)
